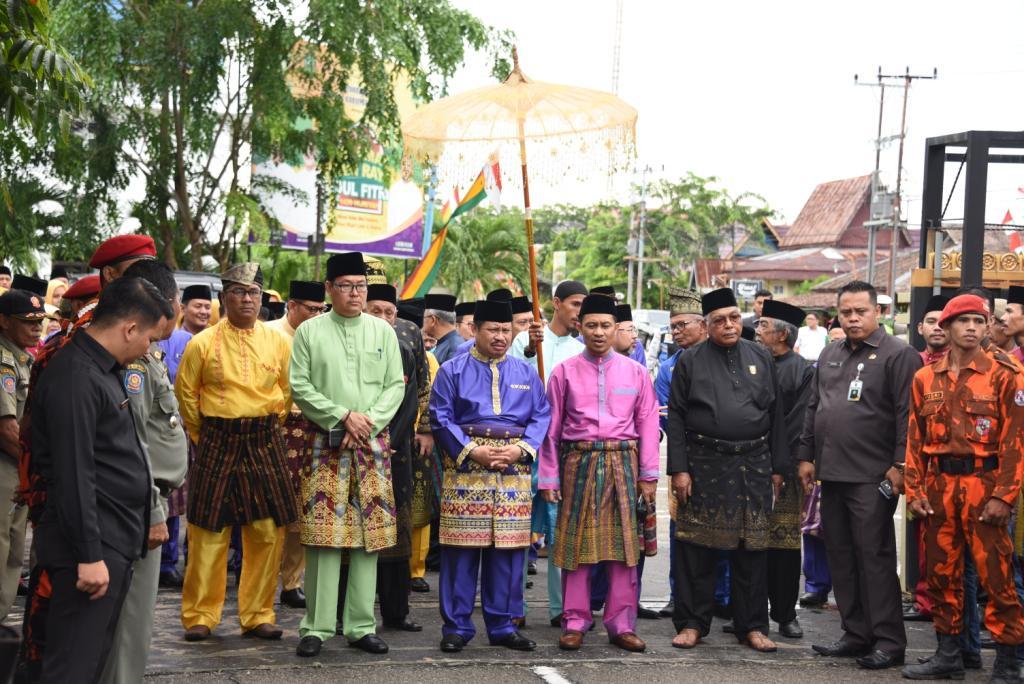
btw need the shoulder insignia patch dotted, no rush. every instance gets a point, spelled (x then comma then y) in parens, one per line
(1018, 397)
(134, 380)
(6, 358)
(8, 379)
(933, 396)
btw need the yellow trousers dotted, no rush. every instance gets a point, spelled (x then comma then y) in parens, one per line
(293, 559)
(206, 574)
(420, 547)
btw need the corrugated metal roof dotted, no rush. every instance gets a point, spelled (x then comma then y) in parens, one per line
(828, 212)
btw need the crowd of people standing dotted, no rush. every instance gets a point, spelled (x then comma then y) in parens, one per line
(330, 454)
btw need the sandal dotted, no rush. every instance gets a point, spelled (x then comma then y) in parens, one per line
(686, 639)
(759, 642)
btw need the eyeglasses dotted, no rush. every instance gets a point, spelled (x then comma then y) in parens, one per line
(346, 288)
(242, 293)
(681, 325)
(313, 309)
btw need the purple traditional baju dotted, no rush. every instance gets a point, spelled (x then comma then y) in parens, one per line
(478, 401)
(603, 440)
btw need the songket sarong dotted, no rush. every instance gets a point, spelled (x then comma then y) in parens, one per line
(239, 474)
(426, 486)
(731, 498)
(786, 517)
(347, 498)
(296, 429)
(480, 507)
(597, 518)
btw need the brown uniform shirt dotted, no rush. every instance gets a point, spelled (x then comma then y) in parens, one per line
(858, 441)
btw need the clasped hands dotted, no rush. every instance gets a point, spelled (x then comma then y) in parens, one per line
(358, 428)
(496, 458)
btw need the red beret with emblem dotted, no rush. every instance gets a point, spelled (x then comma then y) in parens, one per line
(84, 288)
(123, 247)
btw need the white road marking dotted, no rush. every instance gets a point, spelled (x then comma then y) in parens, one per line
(550, 675)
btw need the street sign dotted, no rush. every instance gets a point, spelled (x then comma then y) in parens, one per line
(746, 289)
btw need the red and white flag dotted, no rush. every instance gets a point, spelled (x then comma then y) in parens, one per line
(1016, 244)
(492, 180)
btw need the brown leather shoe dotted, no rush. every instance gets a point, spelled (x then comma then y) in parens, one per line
(570, 641)
(197, 633)
(628, 641)
(264, 631)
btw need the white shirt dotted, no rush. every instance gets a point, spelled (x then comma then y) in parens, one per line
(556, 349)
(809, 343)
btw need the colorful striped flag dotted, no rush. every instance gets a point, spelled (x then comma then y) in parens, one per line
(423, 276)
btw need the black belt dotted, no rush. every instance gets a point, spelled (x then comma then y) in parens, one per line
(958, 465)
(727, 446)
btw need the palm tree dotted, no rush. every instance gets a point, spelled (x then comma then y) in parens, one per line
(27, 224)
(485, 250)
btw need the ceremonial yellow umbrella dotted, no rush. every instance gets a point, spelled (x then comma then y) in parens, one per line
(564, 126)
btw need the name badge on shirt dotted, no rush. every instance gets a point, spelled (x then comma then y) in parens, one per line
(752, 369)
(856, 386)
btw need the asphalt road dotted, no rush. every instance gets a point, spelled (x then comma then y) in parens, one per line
(416, 657)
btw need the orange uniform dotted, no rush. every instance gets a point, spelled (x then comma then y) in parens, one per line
(963, 449)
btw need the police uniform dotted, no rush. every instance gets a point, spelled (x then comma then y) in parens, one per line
(155, 410)
(15, 366)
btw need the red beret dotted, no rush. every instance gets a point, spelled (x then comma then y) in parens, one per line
(960, 305)
(84, 288)
(123, 247)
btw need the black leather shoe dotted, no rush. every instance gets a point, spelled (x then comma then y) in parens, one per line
(406, 625)
(516, 642)
(418, 584)
(308, 647)
(647, 613)
(531, 568)
(880, 660)
(452, 643)
(791, 630)
(371, 643)
(529, 584)
(912, 614)
(293, 598)
(556, 621)
(171, 579)
(667, 609)
(841, 649)
(729, 627)
(972, 661)
(814, 599)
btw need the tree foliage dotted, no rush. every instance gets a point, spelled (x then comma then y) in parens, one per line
(38, 79)
(196, 90)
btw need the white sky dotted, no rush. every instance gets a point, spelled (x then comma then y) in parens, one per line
(761, 94)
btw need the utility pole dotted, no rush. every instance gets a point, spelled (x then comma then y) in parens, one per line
(907, 78)
(875, 184)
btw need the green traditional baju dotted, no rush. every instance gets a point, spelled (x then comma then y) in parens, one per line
(339, 365)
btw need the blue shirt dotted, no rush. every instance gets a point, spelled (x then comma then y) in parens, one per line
(447, 346)
(173, 347)
(663, 383)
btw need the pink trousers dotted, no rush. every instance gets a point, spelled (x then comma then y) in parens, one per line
(619, 608)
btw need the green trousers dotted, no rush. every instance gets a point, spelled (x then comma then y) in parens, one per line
(323, 570)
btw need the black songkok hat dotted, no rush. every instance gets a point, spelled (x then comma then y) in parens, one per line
(440, 302)
(276, 309)
(5, 270)
(1015, 295)
(411, 310)
(382, 293)
(265, 299)
(623, 313)
(500, 295)
(568, 288)
(306, 290)
(606, 290)
(747, 333)
(495, 312)
(196, 292)
(346, 264)
(597, 304)
(717, 299)
(58, 272)
(937, 303)
(29, 284)
(465, 309)
(521, 305)
(782, 311)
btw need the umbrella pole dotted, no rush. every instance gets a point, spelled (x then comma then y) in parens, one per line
(529, 245)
